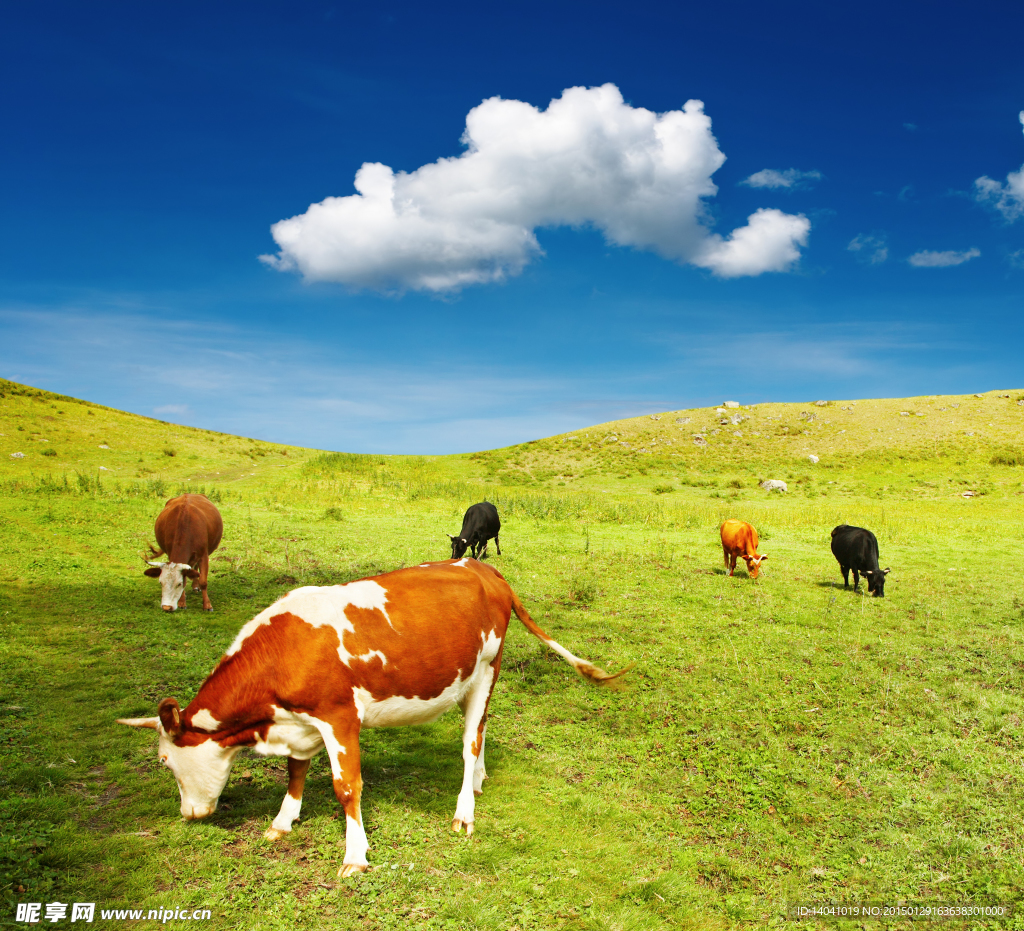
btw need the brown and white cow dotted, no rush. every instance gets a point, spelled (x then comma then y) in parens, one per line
(188, 529)
(739, 539)
(319, 665)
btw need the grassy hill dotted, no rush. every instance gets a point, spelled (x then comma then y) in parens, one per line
(779, 742)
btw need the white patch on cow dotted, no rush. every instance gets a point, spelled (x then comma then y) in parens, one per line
(462, 562)
(290, 808)
(366, 657)
(320, 608)
(293, 733)
(203, 719)
(356, 846)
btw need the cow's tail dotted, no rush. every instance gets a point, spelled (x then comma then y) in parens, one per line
(584, 668)
(155, 552)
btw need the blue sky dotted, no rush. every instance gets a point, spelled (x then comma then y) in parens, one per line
(587, 256)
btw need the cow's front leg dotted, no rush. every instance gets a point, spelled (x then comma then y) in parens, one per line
(204, 574)
(292, 803)
(483, 549)
(341, 738)
(474, 706)
(856, 579)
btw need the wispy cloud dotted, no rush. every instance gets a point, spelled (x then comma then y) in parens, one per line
(589, 159)
(1007, 198)
(179, 409)
(870, 249)
(910, 127)
(927, 259)
(792, 179)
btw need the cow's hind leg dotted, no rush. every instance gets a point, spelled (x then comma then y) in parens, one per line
(292, 803)
(846, 575)
(341, 738)
(474, 707)
(497, 544)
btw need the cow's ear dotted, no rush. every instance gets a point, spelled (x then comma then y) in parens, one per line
(153, 723)
(764, 556)
(152, 573)
(170, 716)
(192, 573)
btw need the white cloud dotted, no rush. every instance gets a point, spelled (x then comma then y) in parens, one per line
(1007, 198)
(180, 409)
(926, 259)
(871, 249)
(589, 159)
(767, 243)
(791, 178)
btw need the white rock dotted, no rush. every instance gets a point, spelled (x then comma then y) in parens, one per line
(732, 404)
(104, 446)
(17, 455)
(687, 419)
(774, 484)
(813, 458)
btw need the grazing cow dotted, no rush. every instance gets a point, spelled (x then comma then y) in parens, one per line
(857, 549)
(478, 526)
(739, 539)
(188, 529)
(313, 669)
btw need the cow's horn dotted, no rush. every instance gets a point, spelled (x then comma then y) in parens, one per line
(155, 563)
(153, 723)
(885, 571)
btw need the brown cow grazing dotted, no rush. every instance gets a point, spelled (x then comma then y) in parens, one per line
(739, 539)
(188, 529)
(315, 668)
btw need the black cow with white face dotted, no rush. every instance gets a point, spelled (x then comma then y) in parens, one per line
(478, 526)
(857, 549)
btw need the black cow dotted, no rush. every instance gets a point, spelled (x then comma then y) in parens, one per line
(478, 526)
(857, 549)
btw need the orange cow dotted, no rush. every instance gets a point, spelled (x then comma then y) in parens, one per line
(320, 665)
(740, 539)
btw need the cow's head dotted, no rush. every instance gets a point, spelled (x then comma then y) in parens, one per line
(459, 545)
(754, 564)
(172, 577)
(876, 581)
(198, 763)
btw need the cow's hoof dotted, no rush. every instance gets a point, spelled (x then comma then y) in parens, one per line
(458, 824)
(209, 608)
(348, 869)
(274, 834)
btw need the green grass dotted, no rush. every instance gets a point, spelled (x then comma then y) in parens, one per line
(780, 741)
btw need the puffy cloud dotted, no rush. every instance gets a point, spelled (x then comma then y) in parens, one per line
(871, 249)
(588, 159)
(791, 178)
(926, 259)
(767, 243)
(1007, 198)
